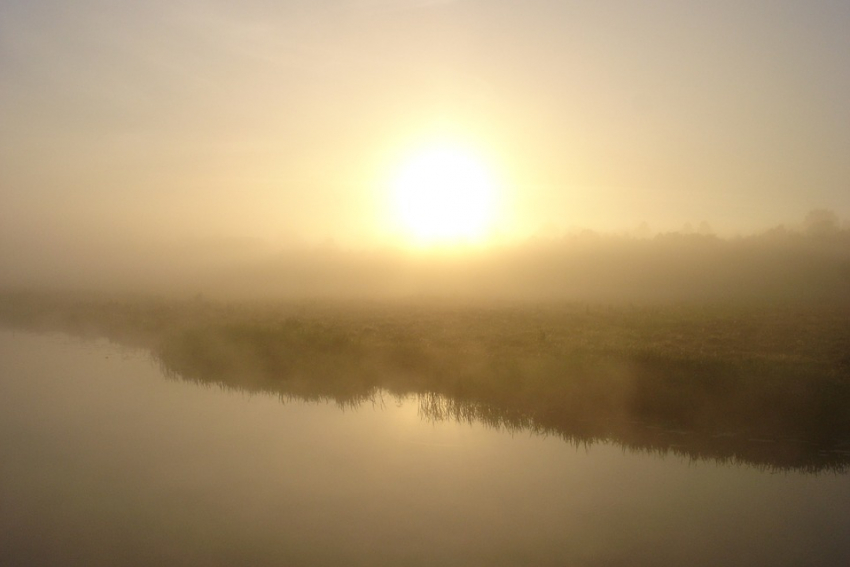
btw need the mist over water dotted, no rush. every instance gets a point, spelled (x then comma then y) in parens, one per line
(423, 282)
(631, 389)
(124, 466)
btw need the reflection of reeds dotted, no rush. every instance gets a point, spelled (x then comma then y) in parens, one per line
(765, 386)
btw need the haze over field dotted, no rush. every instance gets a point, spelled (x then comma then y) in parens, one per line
(806, 263)
(143, 137)
(601, 248)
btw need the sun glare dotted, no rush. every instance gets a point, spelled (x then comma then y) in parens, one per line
(444, 195)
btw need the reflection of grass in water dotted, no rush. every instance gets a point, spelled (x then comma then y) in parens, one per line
(767, 386)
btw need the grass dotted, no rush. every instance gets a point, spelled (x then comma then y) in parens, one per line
(764, 385)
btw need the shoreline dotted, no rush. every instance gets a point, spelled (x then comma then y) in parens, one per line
(766, 386)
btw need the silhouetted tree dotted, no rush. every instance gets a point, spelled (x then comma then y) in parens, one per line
(821, 222)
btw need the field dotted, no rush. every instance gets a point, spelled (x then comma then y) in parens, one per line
(766, 385)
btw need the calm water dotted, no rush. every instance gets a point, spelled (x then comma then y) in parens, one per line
(104, 461)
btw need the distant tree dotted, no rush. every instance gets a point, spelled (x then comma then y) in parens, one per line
(643, 231)
(821, 222)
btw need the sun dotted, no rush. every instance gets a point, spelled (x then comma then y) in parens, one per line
(444, 195)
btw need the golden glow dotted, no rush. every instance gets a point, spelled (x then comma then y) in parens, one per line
(444, 195)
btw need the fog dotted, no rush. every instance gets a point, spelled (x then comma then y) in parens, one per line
(601, 248)
(146, 124)
(806, 262)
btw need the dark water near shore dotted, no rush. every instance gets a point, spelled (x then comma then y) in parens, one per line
(104, 461)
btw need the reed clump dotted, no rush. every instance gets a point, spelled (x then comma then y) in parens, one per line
(766, 385)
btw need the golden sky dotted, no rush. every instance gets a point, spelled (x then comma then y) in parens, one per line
(288, 120)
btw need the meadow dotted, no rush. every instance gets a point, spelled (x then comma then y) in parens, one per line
(762, 384)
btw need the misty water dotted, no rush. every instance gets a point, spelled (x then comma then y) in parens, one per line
(106, 461)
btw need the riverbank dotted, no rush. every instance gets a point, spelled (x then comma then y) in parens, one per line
(767, 385)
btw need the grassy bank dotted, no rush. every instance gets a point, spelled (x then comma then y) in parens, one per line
(766, 385)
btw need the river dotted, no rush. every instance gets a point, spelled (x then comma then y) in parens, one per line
(106, 461)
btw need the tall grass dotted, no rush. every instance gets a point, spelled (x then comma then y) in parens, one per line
(765, 385)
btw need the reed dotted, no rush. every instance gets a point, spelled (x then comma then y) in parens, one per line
(765, 385)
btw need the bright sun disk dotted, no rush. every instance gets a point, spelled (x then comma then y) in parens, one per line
(444, 195)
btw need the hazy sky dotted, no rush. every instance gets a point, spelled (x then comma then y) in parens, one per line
(285, 119)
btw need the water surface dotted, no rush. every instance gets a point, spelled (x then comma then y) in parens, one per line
(105, 461)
